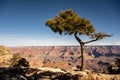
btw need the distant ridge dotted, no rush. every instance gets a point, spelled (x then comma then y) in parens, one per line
(59, 56)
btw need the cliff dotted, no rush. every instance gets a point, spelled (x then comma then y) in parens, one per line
(68, 57)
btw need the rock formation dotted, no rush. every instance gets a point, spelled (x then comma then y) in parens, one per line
(5, 56)
(65, 57)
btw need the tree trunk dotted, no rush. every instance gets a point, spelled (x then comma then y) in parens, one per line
(83, 57)
(82, 51)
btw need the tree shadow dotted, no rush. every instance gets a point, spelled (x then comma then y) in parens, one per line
(15, 73)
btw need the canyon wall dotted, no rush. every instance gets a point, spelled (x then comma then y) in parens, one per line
(68, 57)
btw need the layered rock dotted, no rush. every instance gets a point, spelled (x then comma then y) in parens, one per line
(67, 56)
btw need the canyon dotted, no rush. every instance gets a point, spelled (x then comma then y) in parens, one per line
(59, 62)
(68, 57)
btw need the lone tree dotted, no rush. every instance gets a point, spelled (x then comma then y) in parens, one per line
(68, 22)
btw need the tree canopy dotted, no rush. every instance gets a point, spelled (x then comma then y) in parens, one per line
(68, 22)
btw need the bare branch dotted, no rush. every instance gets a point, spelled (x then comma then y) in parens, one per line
(78, 39)
(98, 36)
(91, 41)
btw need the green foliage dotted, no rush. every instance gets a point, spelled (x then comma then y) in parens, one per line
(21, 62)
(18, 61)
(105, 71)
(100, 35)
(14, 60)
(114, 68)
(68, 22)
(118, 63)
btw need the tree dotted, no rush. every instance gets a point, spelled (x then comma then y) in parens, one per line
(114, 68)
(68, 22)
(18, 61)
(20, 64)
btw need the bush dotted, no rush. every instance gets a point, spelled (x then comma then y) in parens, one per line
(18, 61)
(21, 65)
(114, 68)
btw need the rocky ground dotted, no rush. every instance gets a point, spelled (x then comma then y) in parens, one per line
(62, 59)
(53, 74)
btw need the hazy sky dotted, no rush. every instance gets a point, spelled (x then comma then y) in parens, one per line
(22, 22)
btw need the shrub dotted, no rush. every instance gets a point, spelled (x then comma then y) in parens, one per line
(114, 68)
(18, 61)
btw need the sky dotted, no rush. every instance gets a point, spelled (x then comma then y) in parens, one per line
(22, 22)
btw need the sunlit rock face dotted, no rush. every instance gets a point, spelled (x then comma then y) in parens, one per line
(5, 56)
(4, 50)
(68, 57)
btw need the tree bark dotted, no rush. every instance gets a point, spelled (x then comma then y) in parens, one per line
(91, 40)
(82, 51)
(83, 67)
(83, 57)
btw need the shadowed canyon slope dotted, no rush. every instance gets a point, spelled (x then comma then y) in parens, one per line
(68, 57)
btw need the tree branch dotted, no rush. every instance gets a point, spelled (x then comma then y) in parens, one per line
(78, 39)
(98, 36)
(91, 41)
